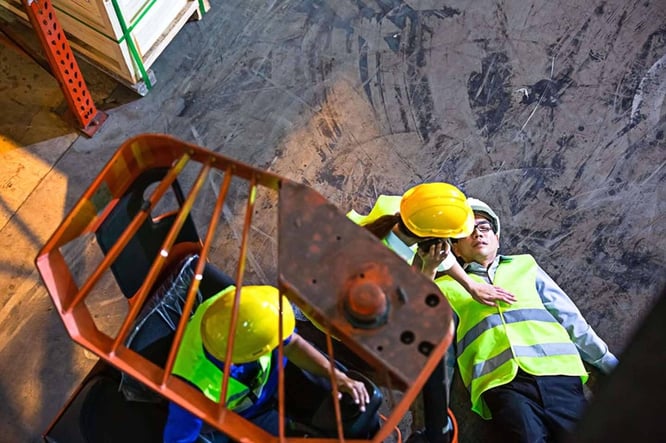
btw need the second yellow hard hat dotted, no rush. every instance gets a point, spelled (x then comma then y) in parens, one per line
(256, 327)
(437, 210)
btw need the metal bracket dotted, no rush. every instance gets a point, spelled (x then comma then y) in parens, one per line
(353, 285)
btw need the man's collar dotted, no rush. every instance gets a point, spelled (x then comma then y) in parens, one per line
(474, 266)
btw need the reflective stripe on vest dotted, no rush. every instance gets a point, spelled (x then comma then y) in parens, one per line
(193, 365)
(494, 342)
(385, 205)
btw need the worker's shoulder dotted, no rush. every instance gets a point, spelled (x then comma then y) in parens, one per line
(526, 261)
(510, 258)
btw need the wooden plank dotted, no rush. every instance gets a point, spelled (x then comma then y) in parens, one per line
(160, 18)
(15, 7)
(90, 12)
(131, 8)
(95, 48)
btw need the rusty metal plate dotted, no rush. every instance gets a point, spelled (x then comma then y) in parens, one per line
(323, 260)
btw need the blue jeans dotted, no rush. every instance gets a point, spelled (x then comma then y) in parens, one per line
(184, 427)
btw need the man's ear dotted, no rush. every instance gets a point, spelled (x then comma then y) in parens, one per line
(454, 248)
(455, 251)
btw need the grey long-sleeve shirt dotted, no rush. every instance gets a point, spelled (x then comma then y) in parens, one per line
(591, 347)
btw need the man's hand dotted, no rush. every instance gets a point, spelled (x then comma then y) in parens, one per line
(356, 389)
(433, 257)
(300, 352)
(489, 295)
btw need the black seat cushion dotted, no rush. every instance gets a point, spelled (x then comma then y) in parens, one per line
(154, 327)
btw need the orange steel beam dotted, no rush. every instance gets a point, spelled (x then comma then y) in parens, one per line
(132, 229)
(198, 273)
(320, 254)
(160, 261)
(239, 283)
(63, 65)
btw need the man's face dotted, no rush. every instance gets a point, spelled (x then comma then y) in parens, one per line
(481, 246)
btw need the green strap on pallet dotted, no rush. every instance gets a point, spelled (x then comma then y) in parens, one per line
(127, 31)
(130, 43)
(202, 7)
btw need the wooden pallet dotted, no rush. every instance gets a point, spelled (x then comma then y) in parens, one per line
(121, 37)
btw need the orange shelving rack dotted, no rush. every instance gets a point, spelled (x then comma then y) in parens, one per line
(63, 65)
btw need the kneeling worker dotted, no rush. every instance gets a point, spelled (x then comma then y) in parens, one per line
(253, 381)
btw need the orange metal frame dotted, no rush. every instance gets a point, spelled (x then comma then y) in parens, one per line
(63, 65)
(320, 252)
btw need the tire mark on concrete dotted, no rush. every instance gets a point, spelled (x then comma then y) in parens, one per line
(502, 22)
(363, 68)
(632, 95)
(402, 108)
(489, 92)
(381, 88)
(650, 94)
(651, 50)
(410, 42)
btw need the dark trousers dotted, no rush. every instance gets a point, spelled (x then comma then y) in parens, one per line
(435, 405)
(535, 409)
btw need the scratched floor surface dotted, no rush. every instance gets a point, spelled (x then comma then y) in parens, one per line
(552, 112)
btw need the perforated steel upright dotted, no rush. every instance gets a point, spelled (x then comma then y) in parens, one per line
(63, 65)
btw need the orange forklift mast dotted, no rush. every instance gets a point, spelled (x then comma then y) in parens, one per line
(337, 273)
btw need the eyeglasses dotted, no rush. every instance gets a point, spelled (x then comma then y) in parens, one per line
(483, 227)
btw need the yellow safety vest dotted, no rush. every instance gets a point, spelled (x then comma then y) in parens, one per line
(385, 205)
(193, 365)
(494, 342)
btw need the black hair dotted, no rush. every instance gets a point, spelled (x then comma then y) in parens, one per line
(405, 230)
(381, 227)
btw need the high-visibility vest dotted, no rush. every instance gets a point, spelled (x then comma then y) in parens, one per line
(494, 342)
(385, 205)
(193, 365)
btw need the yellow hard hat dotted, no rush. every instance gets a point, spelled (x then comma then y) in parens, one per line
(256, 326)
(437, 210)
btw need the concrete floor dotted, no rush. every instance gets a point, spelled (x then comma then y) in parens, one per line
(552, 112)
